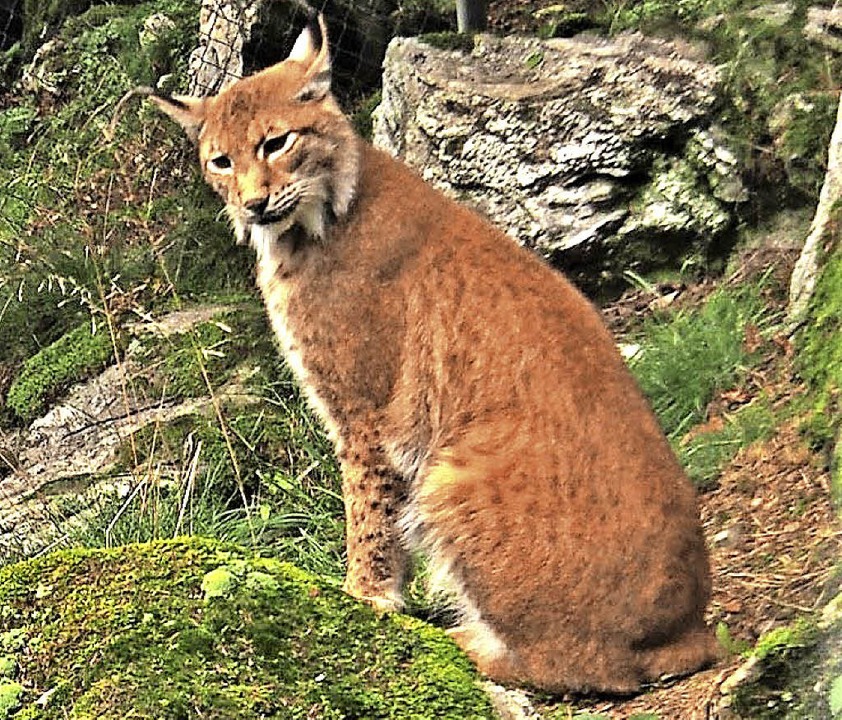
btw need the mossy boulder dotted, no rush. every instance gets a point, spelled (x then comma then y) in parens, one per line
(70, 358)
(191, 628)
(795, 671)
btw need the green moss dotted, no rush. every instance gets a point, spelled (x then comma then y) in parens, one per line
(71, 358)
(780, 641)
(463, 42)
(113, 623)
(768, 67)
(820, 362)
(219, 582)
(10, 696)
(43, 18)
(8, 666)
(361, 116)
(795, 669)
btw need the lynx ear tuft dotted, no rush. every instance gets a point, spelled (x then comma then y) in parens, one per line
(311, 49)
(187, 111)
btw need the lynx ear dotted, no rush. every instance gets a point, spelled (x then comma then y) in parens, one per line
(187, 111)
(312, 51)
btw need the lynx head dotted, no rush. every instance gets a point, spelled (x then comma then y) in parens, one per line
(275, 145)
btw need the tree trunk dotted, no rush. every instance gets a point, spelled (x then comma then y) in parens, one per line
(471, 15)
(806, 270)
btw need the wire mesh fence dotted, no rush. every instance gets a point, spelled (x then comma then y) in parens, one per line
(55, 198)
(237, 38)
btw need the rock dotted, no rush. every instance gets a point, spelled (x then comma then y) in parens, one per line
(239, 37)
(41, 73)
(824, 26)
(774, 14)
(791, 671)
(510, 703)
(105, 626)
(225, 27)
(585, 149)
(153, 27)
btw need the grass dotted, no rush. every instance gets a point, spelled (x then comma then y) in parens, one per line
(704, 455)
(290, 504)
(254, 468)
(686, 359)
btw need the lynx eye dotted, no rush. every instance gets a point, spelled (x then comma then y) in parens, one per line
(221, 164)
(279, 144)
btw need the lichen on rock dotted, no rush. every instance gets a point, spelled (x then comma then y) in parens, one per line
(574, 146)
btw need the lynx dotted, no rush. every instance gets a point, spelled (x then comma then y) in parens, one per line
(479, 408)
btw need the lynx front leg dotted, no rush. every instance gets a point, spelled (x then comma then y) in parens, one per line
(373, 493)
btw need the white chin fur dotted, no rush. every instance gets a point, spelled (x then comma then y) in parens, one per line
(264, 239)
(311, 217)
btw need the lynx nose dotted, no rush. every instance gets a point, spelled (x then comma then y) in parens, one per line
(257, 206)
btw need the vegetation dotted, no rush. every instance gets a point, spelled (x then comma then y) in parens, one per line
(44, 375)
(779, 89)
(234, 634)
(83, 228)
(821, 363)
(688, 357)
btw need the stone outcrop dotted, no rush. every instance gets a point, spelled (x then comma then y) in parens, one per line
(588, 150)
(77, 443)
(225, 27)
(824, 26)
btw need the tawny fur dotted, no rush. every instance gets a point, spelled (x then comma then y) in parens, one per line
(478, 405)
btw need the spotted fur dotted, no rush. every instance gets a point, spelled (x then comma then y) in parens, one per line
(480, 410)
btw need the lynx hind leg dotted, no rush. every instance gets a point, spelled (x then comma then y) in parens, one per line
(471, 513)
(487, 651)
(373, 494)
(438, 530)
